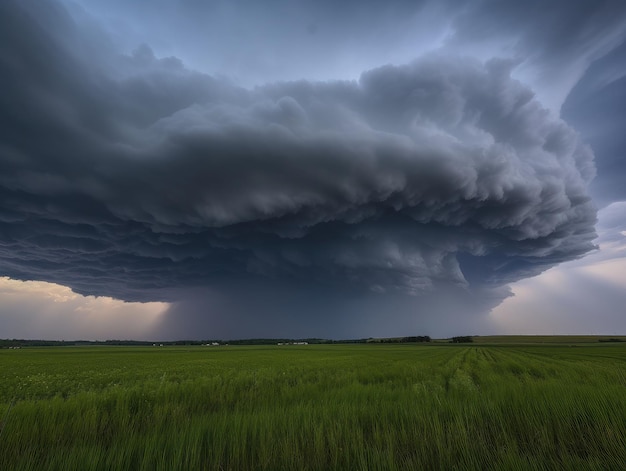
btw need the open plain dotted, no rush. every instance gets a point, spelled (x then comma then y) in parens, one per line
(318, 407)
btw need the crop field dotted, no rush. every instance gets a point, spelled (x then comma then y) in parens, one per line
(317, 407)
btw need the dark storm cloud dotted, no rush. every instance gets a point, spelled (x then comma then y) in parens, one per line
(134, 177)
(572, 54)
(291, 310)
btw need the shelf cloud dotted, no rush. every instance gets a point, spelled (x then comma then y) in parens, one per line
(132, 176)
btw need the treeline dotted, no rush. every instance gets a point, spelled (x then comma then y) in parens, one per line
(5, 343)
(413, 339)
(12, 343)
(262, 341)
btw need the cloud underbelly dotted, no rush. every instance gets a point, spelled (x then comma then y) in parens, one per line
(441, 172)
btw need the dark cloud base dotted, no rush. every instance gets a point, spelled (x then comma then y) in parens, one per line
(268, 309)
(133, 177)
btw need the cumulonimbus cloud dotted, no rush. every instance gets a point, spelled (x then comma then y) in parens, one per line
(131, 176)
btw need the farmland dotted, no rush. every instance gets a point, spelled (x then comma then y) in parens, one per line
(314, 407)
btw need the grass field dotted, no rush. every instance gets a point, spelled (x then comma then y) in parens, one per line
(546, 339)
(350, 407)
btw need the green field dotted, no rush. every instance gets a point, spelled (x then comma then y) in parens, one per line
(547, 339)
(342, 407)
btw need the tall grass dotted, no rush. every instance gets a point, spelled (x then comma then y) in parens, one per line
(314, 407)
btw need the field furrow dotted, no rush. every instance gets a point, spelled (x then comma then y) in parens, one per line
(314, 407)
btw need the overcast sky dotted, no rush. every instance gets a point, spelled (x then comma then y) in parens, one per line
(190, 169)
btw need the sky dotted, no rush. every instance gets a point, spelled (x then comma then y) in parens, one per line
(234, 169)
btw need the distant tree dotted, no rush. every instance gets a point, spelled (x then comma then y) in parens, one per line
(419, 338)
(462, 339)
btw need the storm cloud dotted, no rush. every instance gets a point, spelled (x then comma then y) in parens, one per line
(134, 177)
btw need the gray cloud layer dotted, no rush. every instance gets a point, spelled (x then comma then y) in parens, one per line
(134, 177)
